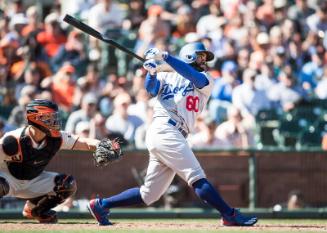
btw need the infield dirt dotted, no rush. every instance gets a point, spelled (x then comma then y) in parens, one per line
(130, 226)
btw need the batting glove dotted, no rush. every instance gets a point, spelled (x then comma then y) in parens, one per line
(151, 66)
(156, 54)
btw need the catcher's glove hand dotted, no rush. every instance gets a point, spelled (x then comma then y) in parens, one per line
(106, 152)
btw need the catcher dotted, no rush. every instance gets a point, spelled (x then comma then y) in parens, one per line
(25, 152)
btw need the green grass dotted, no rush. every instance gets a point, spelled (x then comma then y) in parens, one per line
(162, 226)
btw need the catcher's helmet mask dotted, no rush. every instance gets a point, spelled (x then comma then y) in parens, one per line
(44, 115)
(190, 53)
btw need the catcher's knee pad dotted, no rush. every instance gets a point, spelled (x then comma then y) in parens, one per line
(4, 187)
(65, 186)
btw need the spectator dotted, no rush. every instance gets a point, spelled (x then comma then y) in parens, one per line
(210, 22)
(78, 8)
(2, 127)
(300, 12)
(324, 142)
(321, 88)
(63, 87)
(34, 25)
(248, 99)
(140, 132)
(114, 85)
(318, 21)
(205, 137)
(136, 15)
(17, 116)
(286, 94)
(32, 77)
(153, 28)
(97, 127)
(243, 58)
(184, 22)
(139, 108)
(15, 7)
(312, 71)
(73, 52)
(280, 10)
(120, 121)
(265, 14)
(233, 132)
(82, 129)
(222, 92)
(91, 82)
(295, 200)
(85, 114)
(52, 37)
(262, 44)
(137, 81)
(107, 17)
(265, 78)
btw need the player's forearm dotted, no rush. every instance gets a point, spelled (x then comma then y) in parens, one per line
(86, 144)
(152, 84)
(187, 71)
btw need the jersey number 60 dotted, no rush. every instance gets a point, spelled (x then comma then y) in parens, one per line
(192, 103)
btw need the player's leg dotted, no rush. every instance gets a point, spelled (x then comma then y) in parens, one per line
(157, 180)
(177, 155)
(230, 216)
(46, 192)
(181, 159)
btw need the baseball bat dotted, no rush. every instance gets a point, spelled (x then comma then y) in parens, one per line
(91, 31)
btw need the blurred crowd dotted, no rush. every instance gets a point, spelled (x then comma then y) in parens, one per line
(270, 54)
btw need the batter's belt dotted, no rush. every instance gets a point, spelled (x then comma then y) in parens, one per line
(180, 129)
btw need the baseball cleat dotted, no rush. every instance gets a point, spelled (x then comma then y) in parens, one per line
(98, 212)
(48, 217)
(238, 219)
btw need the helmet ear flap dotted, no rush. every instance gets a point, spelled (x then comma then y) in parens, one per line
(190, 58)
(188, 52)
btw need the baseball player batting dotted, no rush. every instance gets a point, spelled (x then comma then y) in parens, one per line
(24, 154)
(181, 96)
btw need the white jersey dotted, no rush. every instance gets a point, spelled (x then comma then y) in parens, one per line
(180, 100)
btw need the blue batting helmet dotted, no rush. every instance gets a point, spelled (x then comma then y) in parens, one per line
(189, 52)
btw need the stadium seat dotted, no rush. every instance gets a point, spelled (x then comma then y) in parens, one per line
(321, 103)
(265, 115)
(307, 113)
(321, 125)
(267, 120)
(310, 137)
(289, 131)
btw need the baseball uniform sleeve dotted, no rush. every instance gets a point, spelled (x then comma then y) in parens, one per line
(68, 140)
(198, 78)
(152, 84)
(206, 90)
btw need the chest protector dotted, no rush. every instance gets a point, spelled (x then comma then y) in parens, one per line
(33, 161)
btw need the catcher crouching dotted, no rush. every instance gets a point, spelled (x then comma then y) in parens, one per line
(25, 152)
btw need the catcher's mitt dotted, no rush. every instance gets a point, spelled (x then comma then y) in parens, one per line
(106, 152)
